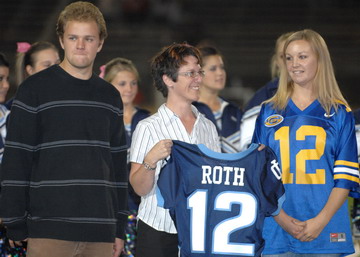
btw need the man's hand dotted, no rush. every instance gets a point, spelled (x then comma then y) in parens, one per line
(16, 243)
(118, 247)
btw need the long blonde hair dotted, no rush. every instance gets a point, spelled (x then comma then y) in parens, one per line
(326, 87)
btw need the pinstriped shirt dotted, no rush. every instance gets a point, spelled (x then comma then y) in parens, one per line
(165, 124)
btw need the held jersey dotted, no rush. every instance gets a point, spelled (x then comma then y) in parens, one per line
(317, 151)
(218, 201)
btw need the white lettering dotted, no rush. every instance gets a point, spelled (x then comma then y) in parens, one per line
(227, 177)
(206, 172)
(215, 175)
(238, 176)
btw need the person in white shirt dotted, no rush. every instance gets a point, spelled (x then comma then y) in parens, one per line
(177, 74)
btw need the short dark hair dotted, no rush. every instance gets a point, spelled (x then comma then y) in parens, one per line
(168, 61)
(4, 61)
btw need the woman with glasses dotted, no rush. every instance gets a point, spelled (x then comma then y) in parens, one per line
(225, 115)
(177, 74)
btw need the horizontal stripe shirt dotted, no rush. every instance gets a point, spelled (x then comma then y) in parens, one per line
(64, 166)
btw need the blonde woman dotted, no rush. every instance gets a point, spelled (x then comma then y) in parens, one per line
(311, 129)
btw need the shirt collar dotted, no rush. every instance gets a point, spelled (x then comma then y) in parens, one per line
(169, 114)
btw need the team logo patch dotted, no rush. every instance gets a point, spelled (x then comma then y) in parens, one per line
(273, 120)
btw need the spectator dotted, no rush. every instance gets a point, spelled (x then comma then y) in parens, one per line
(225, 115)
(123, 75)
(31, 59)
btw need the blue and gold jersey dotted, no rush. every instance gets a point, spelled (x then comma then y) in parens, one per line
(317, 151)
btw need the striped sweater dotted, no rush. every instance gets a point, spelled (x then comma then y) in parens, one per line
(64, 166)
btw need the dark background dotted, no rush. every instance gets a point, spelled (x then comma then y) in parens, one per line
(245, 31)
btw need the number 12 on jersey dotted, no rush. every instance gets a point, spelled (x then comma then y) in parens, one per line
(302, 175)
(198, 204)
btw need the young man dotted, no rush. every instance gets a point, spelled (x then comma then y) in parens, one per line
(177, 75)
(64, 179)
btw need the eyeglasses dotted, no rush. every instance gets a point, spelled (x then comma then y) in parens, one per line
(192, 74)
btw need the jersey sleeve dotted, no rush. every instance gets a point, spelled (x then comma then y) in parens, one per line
(272, 185)
(346, 166)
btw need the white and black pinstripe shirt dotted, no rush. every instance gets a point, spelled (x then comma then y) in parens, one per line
(166, 125)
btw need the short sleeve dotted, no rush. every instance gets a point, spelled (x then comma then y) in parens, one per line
(141, 142)
(346, 167)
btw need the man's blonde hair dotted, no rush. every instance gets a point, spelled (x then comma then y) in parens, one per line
(83, 12)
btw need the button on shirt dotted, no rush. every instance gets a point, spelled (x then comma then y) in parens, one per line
(165, 124)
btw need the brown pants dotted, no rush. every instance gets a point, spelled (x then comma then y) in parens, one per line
(43, 247)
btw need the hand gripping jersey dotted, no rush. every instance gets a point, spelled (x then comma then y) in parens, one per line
(218, 201)
(317, 151)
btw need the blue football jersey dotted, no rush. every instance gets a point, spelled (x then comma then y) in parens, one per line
(317, 151)
(219, 200)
